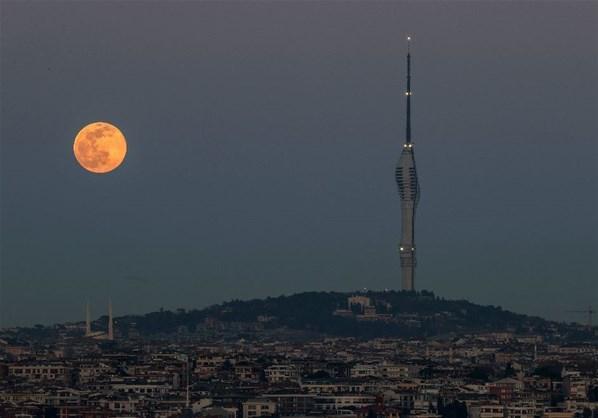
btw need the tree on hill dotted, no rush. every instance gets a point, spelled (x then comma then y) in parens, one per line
(549, 370)
(454, 409)
(481, 373)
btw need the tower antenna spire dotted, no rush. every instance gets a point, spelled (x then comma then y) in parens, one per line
(110, 321)
(87, 320)
(188, 376)
(408, 92)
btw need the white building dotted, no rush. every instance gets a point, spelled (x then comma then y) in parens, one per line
(393, 371)
(258, 408)
(486, 410)
(364, 370)
(521, 410)
(40, 372)
(344, 401)
(282, 373)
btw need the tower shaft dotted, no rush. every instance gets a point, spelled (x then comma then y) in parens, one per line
(87, 320)
(110, 324)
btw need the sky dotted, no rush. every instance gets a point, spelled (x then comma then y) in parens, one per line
(262, 140)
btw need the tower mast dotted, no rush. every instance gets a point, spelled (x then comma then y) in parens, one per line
(408, 93)
(110, 324)
(87, 320)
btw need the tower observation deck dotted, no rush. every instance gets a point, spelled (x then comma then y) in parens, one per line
(406, 177)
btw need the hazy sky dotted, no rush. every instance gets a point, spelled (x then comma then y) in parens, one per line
(262, 143)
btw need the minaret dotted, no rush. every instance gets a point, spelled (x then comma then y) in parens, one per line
(110, 325)
(87, 320)
(406, 177)
(188, 375)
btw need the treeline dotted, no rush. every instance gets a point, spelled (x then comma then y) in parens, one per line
(313, 311)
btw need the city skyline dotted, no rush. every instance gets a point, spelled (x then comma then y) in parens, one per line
(262, 140)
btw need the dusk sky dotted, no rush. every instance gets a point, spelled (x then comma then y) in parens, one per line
(262, 140)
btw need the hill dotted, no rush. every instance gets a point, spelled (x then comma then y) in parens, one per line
(362, 315)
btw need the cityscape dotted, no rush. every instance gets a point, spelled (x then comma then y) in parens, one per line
(172, 345)
(260, 367)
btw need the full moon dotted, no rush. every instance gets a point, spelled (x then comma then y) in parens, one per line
(100, 147)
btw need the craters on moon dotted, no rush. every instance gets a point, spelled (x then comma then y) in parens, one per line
(100, 147)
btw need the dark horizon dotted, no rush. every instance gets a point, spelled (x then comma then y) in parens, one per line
(262, 141)
(100, 313)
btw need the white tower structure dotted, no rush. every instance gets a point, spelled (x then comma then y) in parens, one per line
(87, 320)
(110, 325)
(406, 177)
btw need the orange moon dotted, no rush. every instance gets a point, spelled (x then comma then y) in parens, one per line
(100, 147)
